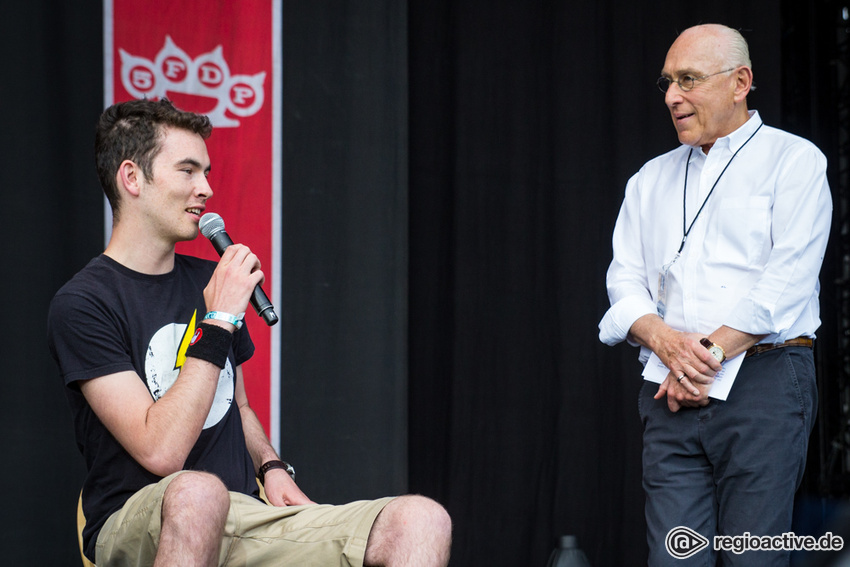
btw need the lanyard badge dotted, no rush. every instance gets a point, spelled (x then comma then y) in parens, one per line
(661, 301)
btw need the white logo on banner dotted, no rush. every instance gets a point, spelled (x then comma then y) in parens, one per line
(208, 76)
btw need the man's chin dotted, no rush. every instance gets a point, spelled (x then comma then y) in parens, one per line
(689, 140)
(684, 137)
(189, 236)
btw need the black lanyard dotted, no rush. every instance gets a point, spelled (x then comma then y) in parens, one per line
(686, 230)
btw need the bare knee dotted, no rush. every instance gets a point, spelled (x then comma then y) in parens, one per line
(196, 494)
(194, 512)
(410, 530)
(414, 511)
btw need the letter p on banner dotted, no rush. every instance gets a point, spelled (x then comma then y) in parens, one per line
(221, 59)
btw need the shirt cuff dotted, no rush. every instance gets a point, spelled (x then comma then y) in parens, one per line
(615, 325)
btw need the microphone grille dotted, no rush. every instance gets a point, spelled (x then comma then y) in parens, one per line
(211, 223)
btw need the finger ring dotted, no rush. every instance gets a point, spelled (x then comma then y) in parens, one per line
(680, 378)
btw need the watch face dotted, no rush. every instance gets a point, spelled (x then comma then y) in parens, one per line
(716, 353)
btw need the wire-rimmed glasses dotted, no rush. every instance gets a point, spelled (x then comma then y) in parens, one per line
(686, 82)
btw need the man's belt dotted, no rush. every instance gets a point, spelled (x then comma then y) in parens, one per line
(799, 341)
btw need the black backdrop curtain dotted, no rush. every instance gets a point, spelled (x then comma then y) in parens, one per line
(50, 219)
(452, 172)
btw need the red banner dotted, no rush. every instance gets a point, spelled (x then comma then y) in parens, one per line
(221, 59)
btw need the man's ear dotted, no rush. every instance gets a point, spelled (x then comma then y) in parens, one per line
(130, 177)
(743, 83)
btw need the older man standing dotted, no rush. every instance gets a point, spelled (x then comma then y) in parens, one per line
(717, 250)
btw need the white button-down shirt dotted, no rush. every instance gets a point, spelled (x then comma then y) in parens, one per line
(751, 259)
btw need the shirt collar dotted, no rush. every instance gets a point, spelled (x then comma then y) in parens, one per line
(733, 142)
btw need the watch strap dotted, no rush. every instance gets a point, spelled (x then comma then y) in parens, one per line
(275, 464)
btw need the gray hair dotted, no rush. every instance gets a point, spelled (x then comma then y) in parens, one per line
(739, 51)
(735, 52)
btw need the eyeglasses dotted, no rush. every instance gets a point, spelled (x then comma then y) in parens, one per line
(685, 82)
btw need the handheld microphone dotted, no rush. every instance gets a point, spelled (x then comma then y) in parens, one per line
(212, 226)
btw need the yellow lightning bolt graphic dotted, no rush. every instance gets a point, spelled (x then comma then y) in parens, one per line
(184, 343)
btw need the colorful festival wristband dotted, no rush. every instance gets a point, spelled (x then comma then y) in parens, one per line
(235, 320)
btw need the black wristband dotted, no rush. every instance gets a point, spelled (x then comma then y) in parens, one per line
(210, 343)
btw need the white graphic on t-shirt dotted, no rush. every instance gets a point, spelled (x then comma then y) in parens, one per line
(161, 371)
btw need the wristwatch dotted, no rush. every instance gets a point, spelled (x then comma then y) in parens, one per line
(714, 349)
(261, 474)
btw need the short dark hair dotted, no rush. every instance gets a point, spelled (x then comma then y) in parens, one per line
(134, 130)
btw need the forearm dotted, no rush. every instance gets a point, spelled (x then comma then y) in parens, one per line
(732, 341)
(259, 446)
(174, 423)
(158, 434)
(651, 332)
(256, 440)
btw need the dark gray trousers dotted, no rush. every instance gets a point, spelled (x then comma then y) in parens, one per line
(731, 467)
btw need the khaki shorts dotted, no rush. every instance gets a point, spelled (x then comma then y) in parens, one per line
(255, 533)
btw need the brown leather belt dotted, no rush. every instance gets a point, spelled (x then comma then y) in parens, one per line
(799, 341)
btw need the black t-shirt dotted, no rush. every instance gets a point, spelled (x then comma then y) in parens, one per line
(110, 319)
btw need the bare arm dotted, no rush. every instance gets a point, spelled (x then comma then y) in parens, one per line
(158, 435)
(280, 489)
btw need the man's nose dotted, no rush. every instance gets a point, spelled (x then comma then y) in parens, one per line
(204, 189)
(673, 94)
